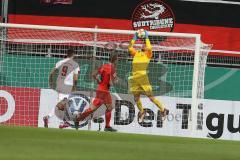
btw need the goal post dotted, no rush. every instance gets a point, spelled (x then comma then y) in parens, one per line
(195, 83)
(176, 73)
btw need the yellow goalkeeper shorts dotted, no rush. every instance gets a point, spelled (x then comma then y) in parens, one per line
(139, 85)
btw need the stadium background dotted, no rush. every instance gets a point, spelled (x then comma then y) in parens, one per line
(217, 23)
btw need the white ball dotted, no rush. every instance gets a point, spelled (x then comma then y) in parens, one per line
(141, 33)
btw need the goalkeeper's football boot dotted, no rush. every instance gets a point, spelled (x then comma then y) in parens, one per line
(141, 116)
(45, 121)
(109, 129)
(165, 112)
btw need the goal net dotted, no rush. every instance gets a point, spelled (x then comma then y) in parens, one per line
(176, 73)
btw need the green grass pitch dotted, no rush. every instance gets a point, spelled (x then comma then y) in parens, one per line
(23, 143)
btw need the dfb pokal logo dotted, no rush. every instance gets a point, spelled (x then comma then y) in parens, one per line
(153, 15)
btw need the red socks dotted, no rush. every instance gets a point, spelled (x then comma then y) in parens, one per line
(86, 113)
(108, 115)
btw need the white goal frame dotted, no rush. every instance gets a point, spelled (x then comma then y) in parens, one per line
(197, 49)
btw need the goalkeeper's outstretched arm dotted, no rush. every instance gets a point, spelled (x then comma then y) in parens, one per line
(132, 50)
(148, 48)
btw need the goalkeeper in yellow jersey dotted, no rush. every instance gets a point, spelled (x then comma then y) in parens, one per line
(138, 81)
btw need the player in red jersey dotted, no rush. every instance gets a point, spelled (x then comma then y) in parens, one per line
(107, 78)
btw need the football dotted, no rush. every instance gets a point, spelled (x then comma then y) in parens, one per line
(141, 33)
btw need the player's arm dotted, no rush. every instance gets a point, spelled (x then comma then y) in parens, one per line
(148, 48)
(52, 74)
(114, 78)
(95, 75)
(51, 77)
(62, 104)
(75, 79)
(132, 50)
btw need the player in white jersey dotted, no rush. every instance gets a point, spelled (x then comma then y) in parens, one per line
(67, 71)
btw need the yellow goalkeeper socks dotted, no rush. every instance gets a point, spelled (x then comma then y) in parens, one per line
(139, 105)
(158, 104)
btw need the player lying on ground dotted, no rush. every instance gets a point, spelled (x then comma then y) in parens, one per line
(108, 77)
(139, 82)
(64, 110)
(67, 71)
(68, 109)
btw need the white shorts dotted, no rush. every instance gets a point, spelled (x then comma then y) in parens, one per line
(61, 96)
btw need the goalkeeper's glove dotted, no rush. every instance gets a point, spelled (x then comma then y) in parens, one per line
(135, 37)
(146, 34)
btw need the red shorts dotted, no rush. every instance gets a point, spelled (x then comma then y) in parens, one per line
(102, 97)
